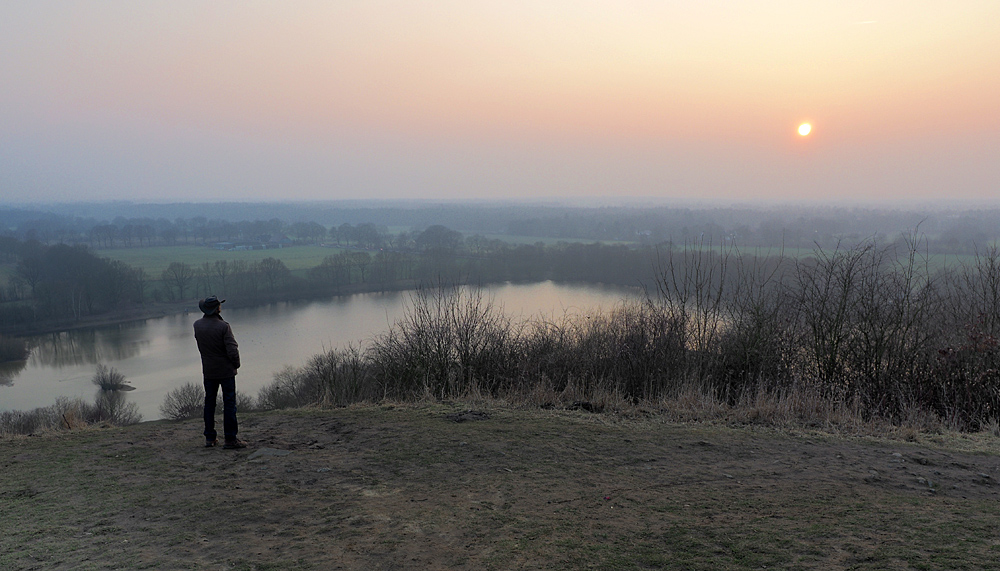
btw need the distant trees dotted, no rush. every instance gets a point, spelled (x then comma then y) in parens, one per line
(43, 281)
(308, 232)
(332, 272)
(368, 236)
(62, 281)
(440, 238)
(221, 271)
(948, 230)
(178, 276)
(274, 273)
(361, 261)
(29, 268)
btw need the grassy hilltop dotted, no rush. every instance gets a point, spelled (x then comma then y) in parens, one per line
(434, 486)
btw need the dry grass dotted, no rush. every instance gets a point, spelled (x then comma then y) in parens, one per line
(406, 487)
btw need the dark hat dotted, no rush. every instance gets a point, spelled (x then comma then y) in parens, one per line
(210, 304)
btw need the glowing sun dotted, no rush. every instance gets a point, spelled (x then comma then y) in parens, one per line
(804, 129)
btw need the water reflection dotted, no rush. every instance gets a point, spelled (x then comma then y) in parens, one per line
(10, 370)
(87, 346)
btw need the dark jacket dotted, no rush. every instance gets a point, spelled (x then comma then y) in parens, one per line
(220, 355)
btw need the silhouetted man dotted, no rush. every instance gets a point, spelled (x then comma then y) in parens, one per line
(220, 358)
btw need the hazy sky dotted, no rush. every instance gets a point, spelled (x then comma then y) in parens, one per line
(248, 100)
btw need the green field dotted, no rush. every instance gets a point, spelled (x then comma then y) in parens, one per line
(518, 240)
(156, 259)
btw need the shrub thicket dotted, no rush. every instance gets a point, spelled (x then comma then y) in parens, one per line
(188, 401)
(874, 329)
(109, 408)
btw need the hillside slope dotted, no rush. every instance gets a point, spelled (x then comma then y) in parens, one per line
(419, 487)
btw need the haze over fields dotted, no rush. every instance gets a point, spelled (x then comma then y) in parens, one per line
(391, 99)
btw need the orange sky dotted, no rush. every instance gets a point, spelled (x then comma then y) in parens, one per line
(391, 99)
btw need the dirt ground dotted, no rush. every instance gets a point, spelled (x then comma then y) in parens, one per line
(436, 487)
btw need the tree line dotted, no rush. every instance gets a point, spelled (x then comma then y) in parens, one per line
(946, 230)
(60, 282)
(444, 257)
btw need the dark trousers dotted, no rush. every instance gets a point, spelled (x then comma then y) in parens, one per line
(229, 425)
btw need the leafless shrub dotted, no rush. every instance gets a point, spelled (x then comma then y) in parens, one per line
(109, 379)
(329, 378)
(72, 414)
(290, 389)
(186, 401)
(114, 408)
(447, 340)
(341, 377)
(25, 422)
(636, 347)
(244, 402)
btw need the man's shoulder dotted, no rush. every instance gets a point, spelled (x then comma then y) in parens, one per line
(210, 322)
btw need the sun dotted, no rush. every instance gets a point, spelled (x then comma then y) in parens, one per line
(804, 129)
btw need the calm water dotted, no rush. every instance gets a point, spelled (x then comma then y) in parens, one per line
(158, 355)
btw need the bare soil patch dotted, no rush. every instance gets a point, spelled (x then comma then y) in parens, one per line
(438, 486)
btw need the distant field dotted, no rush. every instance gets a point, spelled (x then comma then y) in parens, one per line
(549, 241)
(934, 261)
(156, 259)
(298, 259)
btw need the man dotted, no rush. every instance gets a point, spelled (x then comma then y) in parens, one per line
(220, 358)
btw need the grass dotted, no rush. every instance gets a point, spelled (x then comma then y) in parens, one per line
(79, 507)
(156, 259)
(404, 488)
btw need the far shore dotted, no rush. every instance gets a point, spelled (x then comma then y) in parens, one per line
(153, 310)
(137, 313)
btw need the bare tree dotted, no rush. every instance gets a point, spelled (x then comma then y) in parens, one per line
(178, 275)
(274, 273)
(361, 261)
(222, 271)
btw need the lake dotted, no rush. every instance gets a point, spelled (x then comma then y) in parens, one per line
(157, 355)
